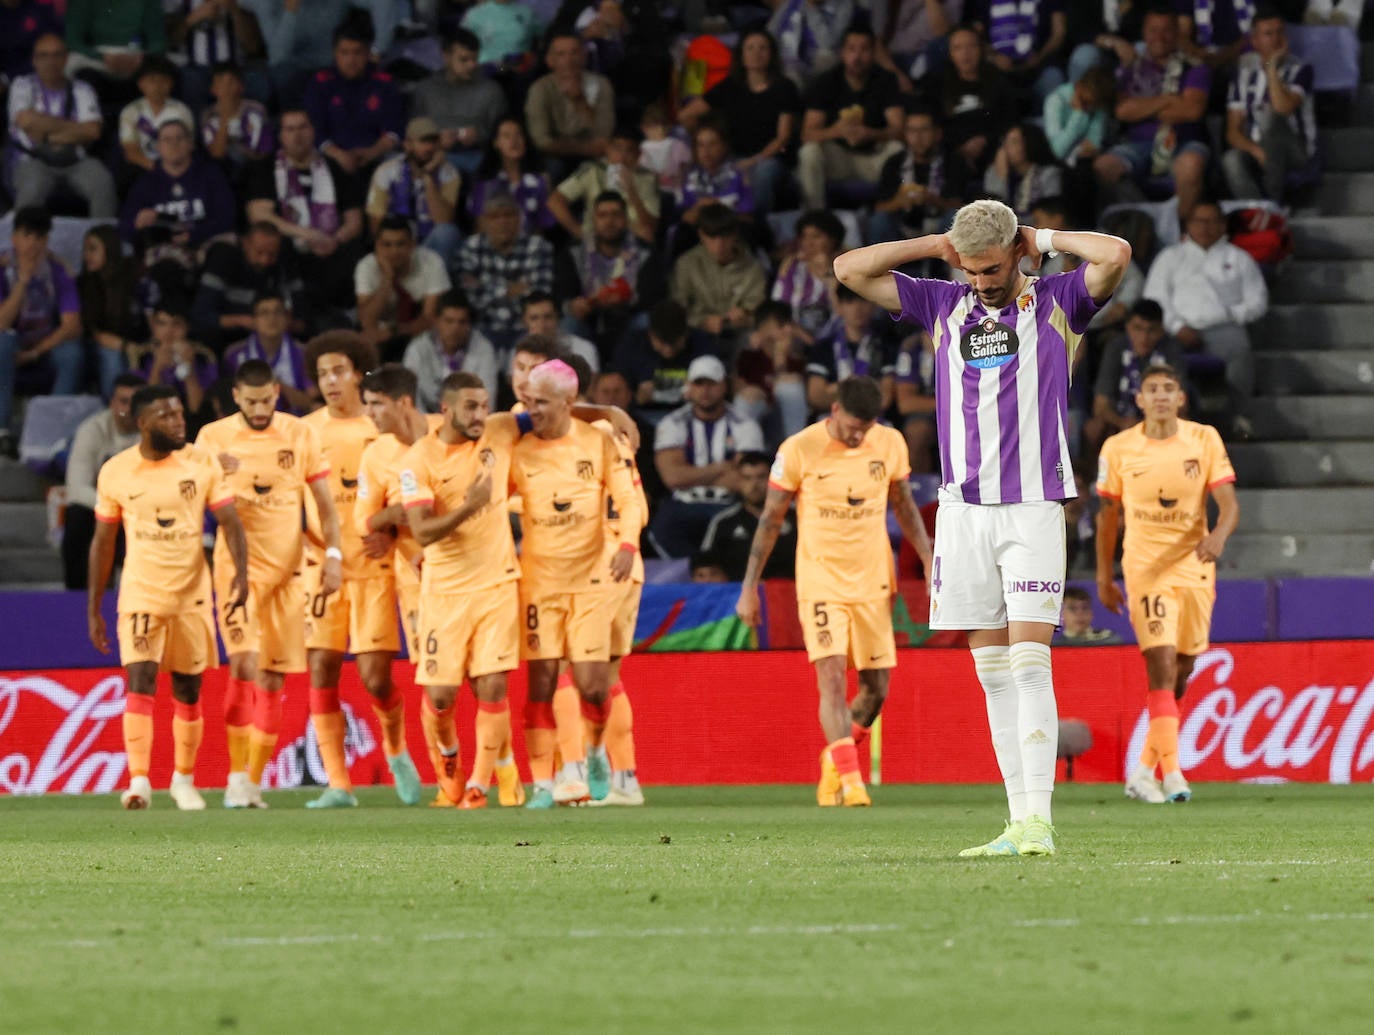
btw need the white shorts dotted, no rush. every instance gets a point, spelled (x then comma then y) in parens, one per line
(997, 564)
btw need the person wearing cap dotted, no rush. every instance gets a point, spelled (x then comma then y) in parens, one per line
(695, 451)
(619, 173)
(355, 107)
(141, 119)
(422, 186)
(500, 266)
(719, 282)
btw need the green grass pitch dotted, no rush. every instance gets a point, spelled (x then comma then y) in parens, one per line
(713, 909)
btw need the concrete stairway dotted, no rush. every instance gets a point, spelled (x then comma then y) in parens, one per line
(25, 556)
(1307, 477)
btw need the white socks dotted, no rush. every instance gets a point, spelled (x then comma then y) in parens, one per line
(993, 665)
(1037, 724)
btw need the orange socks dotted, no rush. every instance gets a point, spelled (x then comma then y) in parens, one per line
(567, 715)
(266, 725)
(594, 721)
(859, 734)
(391, 713)
(846, 759)
(330, 727)
(441, 738)
(1161, 742)
(238, 721)
(138, 732)
(493, 730)
(539, 739)
(620, 741)
(187, 729)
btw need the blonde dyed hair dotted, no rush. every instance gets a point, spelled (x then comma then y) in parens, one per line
(983, 226)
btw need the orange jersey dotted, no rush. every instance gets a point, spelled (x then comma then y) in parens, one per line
(479, 553)
(379, 487)
(343, 440)
(613, 522)
(1163, 485)
(162, 506)
(269, 486)
(567, 484)
(843, 553)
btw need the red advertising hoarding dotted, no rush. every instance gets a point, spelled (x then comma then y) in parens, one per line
(1259, 712)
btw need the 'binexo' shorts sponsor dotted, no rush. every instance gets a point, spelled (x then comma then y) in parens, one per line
(996, 564)
(359, 618)
(1171, 616)
(183, 643)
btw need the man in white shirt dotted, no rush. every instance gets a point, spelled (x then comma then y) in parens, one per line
(695, 450)
(452, 344)
(1210, 290)
(398, 287)
(52, 119)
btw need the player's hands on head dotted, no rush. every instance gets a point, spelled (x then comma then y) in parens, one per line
(1028, 243)
(1110, 594)
(95, 628)
(747, 607)
(948, 254)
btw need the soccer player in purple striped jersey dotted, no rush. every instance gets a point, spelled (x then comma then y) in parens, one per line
(1004, 344)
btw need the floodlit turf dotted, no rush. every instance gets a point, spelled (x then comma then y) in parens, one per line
(1251, 909)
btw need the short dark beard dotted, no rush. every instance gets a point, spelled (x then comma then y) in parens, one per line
(160, 443)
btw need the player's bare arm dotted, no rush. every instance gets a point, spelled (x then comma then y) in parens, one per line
(868, 271)
(775, 508)
(99, 564)
(621, 489)
(1228, 517)
(1106, 257)
(227, 515)
(1108, 531)
(329, 529)
(429, 528)
(387, 518)
(909, 521)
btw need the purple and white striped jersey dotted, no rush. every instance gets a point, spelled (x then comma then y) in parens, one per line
(1002, 384)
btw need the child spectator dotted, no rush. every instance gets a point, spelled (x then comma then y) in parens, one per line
(662, 154)
(235, 130)
(141, 119)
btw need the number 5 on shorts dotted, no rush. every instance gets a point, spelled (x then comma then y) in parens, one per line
(822, 618)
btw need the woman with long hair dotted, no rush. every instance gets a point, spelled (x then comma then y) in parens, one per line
(107, 287)
(759, 107)
(1024, 170)
(511, 167)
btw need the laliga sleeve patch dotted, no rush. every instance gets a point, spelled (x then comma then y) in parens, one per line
(989, 343)
(408, 484)
(777, 472)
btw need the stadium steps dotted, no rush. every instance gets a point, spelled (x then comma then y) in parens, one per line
(17, 482)
(1298, 553)
(1334, 237)
(1311, 372)
(1363, 110)
(1314, 328)
(1347, 150)
(1347, 192)
(1331, 417)
(1312, 510)
(27, 565)
(1324, 280)
(23, 525)
(1301, 465)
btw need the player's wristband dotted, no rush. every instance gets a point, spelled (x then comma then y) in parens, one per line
(1044, 242)
(334, 554)
(629, 547)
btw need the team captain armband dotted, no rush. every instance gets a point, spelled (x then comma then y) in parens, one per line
(523, 422)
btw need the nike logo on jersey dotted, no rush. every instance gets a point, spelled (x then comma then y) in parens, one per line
(134, 495)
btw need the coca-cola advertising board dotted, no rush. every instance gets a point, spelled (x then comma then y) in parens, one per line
(1257, 712)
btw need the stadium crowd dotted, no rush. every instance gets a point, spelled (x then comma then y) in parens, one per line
(660, 188)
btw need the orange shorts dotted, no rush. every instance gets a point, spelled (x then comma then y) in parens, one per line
(183, 643)
(465, 635)
(360, 617)
(1171, 616)
(860, 631)
(623, 625)
(575, 626)
(409, 597)
(270, 624)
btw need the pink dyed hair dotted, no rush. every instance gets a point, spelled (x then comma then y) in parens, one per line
(562, 377)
